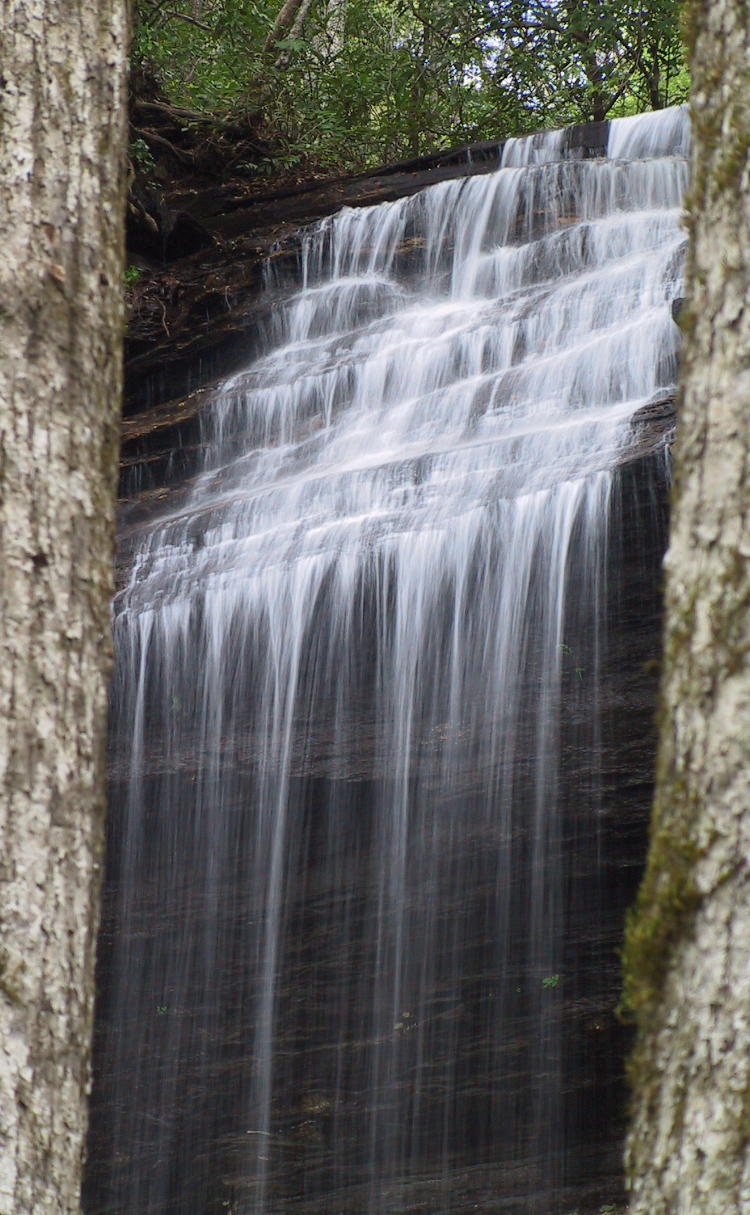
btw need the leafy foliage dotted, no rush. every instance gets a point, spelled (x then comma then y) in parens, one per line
(346, 83)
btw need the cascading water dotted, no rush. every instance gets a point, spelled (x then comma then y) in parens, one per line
(357, 712)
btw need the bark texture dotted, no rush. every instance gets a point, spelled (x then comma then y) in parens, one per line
(286, 19)
(688, 949)
(62, 135)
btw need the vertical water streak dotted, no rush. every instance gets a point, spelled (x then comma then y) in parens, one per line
(353, 663)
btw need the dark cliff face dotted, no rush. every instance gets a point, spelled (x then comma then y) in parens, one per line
(514, 1147)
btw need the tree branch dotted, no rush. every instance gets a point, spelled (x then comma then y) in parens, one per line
(170, 12)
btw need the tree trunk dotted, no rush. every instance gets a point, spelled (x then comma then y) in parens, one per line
(282, 60)
(61, 219)
(688, 949)
(335, 23)
(284, 20)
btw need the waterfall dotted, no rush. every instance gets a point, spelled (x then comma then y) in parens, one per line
(357, 712)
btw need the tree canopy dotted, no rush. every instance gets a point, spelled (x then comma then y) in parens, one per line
(350, 83)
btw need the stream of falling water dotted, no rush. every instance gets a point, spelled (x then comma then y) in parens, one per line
(351, 661)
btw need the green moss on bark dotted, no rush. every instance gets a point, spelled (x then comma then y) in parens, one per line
(666, 902)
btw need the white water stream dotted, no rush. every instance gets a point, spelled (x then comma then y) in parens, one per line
(342, 668)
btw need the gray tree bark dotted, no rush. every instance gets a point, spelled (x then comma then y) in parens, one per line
(62, 141)
(688, 947)
(284, 19)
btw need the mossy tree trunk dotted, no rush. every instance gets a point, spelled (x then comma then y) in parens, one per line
(62, 135)
(688, 947)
